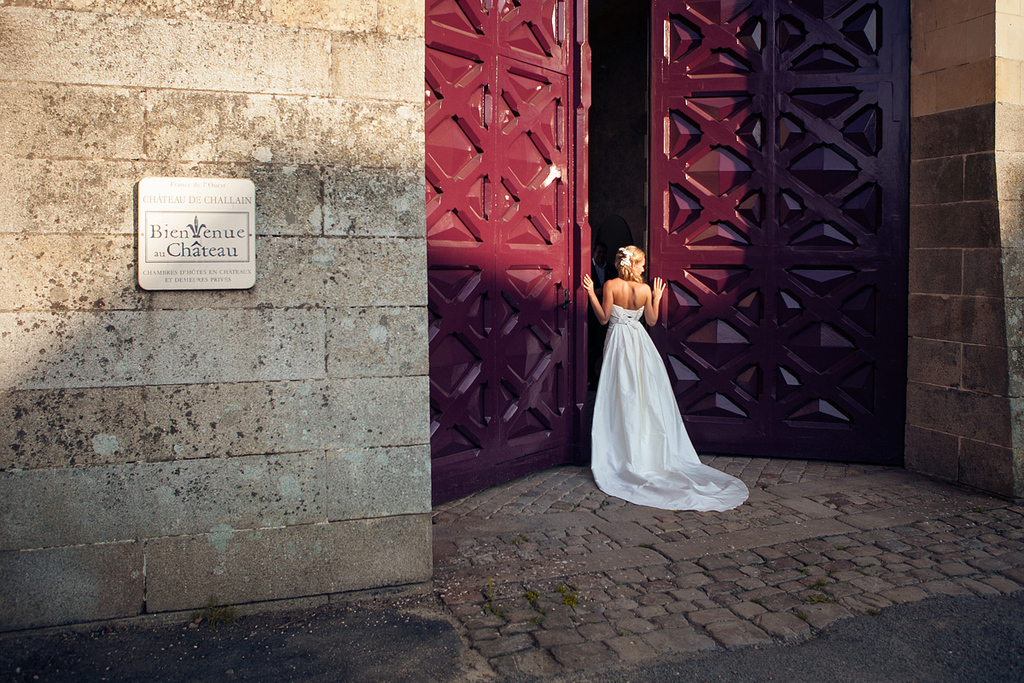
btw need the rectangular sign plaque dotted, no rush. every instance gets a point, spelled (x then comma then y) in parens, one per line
(197, 233)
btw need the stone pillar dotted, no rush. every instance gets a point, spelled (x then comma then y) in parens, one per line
(158, 449)
(963, 338)
(1009, 153)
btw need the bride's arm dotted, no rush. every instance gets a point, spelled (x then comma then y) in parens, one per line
(599, 309)
(652, 309)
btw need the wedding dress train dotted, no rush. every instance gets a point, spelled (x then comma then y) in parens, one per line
(640, 450)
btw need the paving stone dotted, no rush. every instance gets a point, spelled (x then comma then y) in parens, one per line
(583, 656)
(747, 610)
(822, 615)
(654, 599)
(780, 602)
(977, 587)
(783, 624)
(693, 580)
(483, 634)
(537, 663)
(672, 621)
(904, 595)
(944, 588)
(865, 602)
(519, 627)
(705, 617)
(599, 631)
(955, 569)
(734, 634)
(871, 584)
(634, 625)
(549, 638)
(1001, 584)
(649, 611)
(506, 645)
(630, 648)
(676, 640)
(1015, 574)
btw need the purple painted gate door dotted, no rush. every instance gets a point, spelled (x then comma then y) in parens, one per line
(779, 210)
(499, 239)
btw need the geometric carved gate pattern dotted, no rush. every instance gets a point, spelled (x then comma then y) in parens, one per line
(779, 210)
(498, 173)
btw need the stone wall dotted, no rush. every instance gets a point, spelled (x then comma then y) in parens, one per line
(158, 449)
(960, 384)
(1009, 153)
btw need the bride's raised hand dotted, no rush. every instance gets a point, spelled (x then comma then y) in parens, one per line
(588, 284)
(658, 287)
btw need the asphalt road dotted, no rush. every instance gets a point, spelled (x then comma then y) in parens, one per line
(961, 639)
(956, 639)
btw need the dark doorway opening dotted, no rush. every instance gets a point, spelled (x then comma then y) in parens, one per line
(618, 121)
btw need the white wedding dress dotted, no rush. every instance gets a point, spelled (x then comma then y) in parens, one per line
(640, 449)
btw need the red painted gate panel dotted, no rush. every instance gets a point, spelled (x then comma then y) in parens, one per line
(499, 245)
(779, 218)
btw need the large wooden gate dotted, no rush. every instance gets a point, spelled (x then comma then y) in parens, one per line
(779, 212)
(500, 214)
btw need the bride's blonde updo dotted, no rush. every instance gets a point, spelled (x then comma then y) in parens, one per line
(625, 259)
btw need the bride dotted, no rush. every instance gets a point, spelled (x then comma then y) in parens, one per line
(641, 452)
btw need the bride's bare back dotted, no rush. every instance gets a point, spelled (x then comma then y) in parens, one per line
(626, 294)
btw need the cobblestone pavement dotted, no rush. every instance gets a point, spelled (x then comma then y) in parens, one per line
(548, 575)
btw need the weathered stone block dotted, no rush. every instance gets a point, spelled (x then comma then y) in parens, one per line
(111, 425)
(154, 53)
(985, 369)
(45, 120)
(249, 11)
(966, 41)
(934, 362)
(1009, 126)
(366, 411)
(95, 273)
(82, 505)
(983, 274)
(98, 197)
(374, 203)
(51, 351)
(400, 17)
(286, 130)
(374, 272)
(66, 585)
(1009, 80)
(980, 177)
(245, 566)
(967, 225)
(1010, 175)
(378, 67)
(1015, 373)
(936, 271)
(377, 482)
(986, 466)
(1012, 269)
(289, 199)
(937, 181)
(44, 196)
(966, 85)
(377, 342)
(969, 319)
(333, 15)
(975, 416)
(67, 272)
(960, 131)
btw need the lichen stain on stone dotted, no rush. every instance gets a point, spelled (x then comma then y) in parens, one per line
(105, 445)
(219, 537)
(289, 487)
